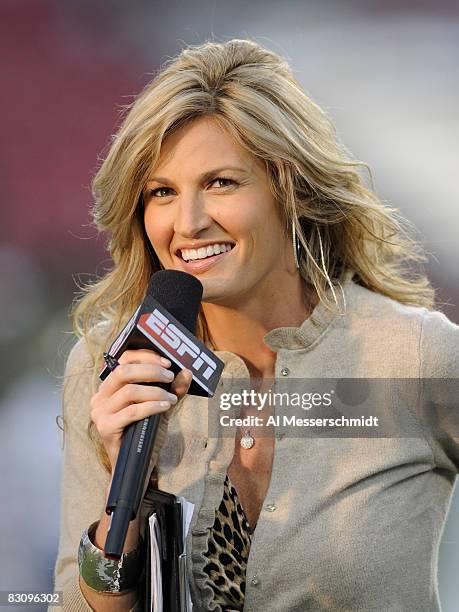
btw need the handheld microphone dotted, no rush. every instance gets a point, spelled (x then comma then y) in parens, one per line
(166, 322)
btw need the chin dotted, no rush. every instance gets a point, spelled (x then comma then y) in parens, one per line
(214, 293)
(210, 297)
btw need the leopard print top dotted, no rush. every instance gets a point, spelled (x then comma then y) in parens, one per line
(228, 551)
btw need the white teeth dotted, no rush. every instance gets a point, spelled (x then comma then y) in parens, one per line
(203, 252)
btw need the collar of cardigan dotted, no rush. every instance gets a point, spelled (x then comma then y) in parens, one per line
(311, 330)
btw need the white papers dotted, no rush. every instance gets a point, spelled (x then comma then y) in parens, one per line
(155, 565)
(156, 604)
(187, 515)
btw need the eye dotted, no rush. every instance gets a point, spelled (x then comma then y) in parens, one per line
(224, 180)
(163, 192)
(152, 193)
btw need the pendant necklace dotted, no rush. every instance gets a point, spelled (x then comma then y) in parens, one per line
(247, 441)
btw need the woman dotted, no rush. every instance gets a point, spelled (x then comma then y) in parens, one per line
(225, 169)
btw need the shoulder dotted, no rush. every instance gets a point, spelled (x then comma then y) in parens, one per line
(439, 344)
(427, 339)
(81, 373)
(366, 303)
(82, 353)
(79, 358)
(378, 311)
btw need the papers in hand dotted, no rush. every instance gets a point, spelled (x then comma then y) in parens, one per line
(157, 599)
(155, 567)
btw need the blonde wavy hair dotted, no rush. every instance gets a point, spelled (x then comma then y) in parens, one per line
(251, 92)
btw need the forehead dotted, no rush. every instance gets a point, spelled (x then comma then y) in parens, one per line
(201, 143)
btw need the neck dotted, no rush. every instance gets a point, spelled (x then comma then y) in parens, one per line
(253, 319)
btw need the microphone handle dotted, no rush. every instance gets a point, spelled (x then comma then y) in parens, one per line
(129, 479)
(120, 467)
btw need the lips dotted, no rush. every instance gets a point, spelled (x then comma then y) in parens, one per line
(202, 265)
(189, 251)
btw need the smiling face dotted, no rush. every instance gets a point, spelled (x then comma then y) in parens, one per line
(209, 211)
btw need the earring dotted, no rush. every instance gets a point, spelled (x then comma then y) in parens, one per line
(296, 246)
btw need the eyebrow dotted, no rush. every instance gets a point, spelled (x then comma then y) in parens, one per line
(202, 177)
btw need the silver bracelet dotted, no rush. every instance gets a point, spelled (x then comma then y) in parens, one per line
(107, 575)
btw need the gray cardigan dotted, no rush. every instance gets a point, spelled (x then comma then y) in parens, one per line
(349, 523)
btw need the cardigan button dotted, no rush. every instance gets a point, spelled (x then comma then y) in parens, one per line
(285, 371)
(271, 507)
(255, 580)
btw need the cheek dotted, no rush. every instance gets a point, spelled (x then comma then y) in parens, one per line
(159, 229)
(243, 218)
(257, 219)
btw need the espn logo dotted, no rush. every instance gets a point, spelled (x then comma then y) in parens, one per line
(192, 356)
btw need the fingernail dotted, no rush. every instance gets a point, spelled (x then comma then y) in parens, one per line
(172, 397)
(168, 374)
(165, 362)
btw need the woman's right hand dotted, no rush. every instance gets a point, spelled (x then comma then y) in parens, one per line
(119, 401)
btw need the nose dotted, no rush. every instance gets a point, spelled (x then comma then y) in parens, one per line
(192, 217)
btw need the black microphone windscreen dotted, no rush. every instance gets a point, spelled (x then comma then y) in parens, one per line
(178, 292)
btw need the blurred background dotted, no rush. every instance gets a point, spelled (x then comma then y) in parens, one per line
(385, 70)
